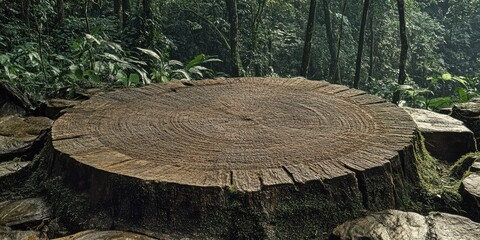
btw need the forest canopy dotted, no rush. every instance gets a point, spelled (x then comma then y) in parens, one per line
(52, 48)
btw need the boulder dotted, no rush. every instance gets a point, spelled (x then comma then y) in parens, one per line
(13, 101)
(469, 113)
(470, 190)
(446, 138)
(31, 211)
(54, 107)
(398, 225)
(11, 167)
(475, 167)
(8, 234)
(106, 235)
(19, 134)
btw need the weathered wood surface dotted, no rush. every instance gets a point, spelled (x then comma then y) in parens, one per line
(186, 147)
(248, 132)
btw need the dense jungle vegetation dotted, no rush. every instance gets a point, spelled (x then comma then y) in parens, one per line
(425, 52)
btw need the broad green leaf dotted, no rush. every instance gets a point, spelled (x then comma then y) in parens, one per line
(150, 53)
(195, 61)
(440, 102)
(134, 79)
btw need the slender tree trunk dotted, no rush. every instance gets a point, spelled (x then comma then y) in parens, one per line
(308, 38)
(403, 49)
(234, 51)
(60, 11)
(87, 25)
(361, 40)
(117, 9)
(333, 72)
(148, 28)
(372, 47)
(340, 37)
(125, 12)
(255, 23)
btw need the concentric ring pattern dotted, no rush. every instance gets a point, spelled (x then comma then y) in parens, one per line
(249, 132)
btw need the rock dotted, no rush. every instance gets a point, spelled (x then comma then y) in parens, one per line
(54, 107)
(446, 111)
(26, 211)
(85, 94)
(18, 134)
(470, 190)
(446, 138)
(469, 113)
(11, 167)
(13, 101)
(475, 167)
(8, 234)
(390, 224)
(105, 235)
(448, 226)
(398, 225)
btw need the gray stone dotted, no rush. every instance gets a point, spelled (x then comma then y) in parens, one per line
(18, 134)
(448, 226)
(475, 167)
(470, 191)
(398, 225)
(31, 210)
(11, 167)
(54, 107)
(8, 234)
(446, 138)
(469, 113)
(390, 224)
(13, 101)
(105, 235)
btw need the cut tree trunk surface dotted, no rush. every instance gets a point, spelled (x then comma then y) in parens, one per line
(243, 135)
(241, 132)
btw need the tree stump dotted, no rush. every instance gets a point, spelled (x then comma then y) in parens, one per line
(245, 157)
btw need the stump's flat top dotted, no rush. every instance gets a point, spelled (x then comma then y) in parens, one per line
(247, 132)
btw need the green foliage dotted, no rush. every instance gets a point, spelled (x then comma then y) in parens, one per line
(452, 89)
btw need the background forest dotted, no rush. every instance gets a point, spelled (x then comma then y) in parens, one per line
(52, 48)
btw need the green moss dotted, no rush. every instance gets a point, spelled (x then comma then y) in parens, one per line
(463, 165)
(436, 191)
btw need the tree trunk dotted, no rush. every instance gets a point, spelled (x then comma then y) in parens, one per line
(234, 175)
(125, 12)
(372, 42)
(333, 72)
(308, 38)
(60, 11)
(361, 40)
(148, 28)
(117, 9)
(403, 50)
(234, 51)
(339, 45)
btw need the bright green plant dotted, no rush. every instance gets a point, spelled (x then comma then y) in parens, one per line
(164, 70)
(441, 91)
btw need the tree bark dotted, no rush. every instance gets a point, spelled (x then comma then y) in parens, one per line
(333, 74)
(148, 28)
(361, 40)
(403, 49)
(60, 11)
(372, 42)
(117, 10)
(308, 38)
(125, 12)
(233, 188)
(339, 45)
(234, 51)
